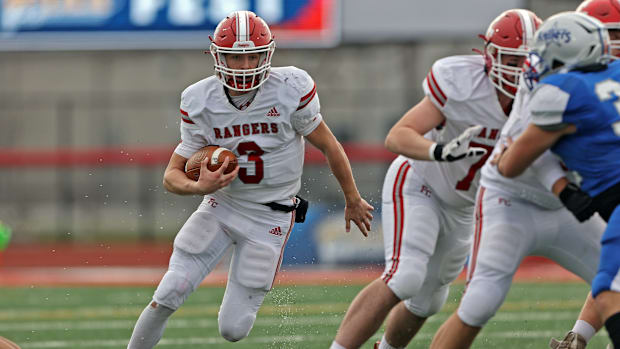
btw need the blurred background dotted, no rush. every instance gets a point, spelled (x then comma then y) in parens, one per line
(89, 97)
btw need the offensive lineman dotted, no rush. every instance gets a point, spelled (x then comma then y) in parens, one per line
(263, 116)
(428, 205)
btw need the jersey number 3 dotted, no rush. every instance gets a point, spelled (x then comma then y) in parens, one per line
(254, 152)
(605, 90)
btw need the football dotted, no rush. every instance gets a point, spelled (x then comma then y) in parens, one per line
(216, 156)
(7, 344)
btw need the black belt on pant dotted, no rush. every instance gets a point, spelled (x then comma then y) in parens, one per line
(300, 207)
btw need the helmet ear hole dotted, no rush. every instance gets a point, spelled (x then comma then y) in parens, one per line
(556, 64)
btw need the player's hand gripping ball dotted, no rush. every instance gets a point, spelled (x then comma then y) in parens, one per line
(215, 156)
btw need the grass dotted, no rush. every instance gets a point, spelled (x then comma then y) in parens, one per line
(292, 317)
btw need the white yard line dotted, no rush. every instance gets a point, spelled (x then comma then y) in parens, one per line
(37, 326)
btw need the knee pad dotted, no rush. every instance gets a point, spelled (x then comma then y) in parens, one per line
(429, 306)
(173, 289)
(254, 265)
(480, 302)
(238, 311)
(407, 283)
(236, 322)
(407, 265)
(608, 269)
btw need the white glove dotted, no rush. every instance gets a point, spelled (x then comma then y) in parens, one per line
(457, 148)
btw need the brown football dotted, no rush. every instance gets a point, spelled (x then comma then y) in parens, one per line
(7, 344)
(216, 156)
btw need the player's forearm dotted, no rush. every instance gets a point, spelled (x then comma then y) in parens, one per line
(407, 142)
(175, 181)
(559, 185)
(341, 168)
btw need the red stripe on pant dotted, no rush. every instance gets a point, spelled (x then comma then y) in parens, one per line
(477, 237)
(399, 217)
(288, 234)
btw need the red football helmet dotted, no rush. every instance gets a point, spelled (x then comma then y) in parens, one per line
(608, 12)
(242, 32)
(509, 34)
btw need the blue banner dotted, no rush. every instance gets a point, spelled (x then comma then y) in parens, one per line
(44, 22)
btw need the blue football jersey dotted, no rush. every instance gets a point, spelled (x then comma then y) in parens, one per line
(591, 102)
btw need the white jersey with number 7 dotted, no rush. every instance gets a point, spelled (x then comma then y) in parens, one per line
(459, 87)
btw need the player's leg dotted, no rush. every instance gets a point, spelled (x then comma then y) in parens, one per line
(586, 326)
(255, 261)
(501, 240)
(444, 266)
(401, 326)
(410, 221)
(198, 247)
(576, 247)
(365, 315)
(606, 285)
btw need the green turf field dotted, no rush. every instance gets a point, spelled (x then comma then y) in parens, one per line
(292, 317)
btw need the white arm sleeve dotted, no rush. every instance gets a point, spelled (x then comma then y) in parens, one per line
(548, 169)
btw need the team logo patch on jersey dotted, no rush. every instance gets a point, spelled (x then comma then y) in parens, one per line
(273, 112)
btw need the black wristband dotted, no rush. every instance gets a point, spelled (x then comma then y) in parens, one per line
(577, 201)
(437, 152)
(568, 192)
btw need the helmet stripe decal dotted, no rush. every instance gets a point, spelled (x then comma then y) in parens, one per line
(242, 26)
(527, 25)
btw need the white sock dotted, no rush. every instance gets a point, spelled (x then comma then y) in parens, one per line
(336, 346)
(584, 329)
(149, 327)
(385, 345)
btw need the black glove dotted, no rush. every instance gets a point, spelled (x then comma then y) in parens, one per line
(578, 202)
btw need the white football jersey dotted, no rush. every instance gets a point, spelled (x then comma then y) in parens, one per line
(267, 136)
(533, 184)
(460, 88)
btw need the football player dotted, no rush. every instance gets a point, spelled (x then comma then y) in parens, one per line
(429, 190)
(575, 114)
(608, 12)
(263, 115)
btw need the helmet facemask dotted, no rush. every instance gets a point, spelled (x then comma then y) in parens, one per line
(505, 77)
(614, 39)
(507, 43)
(242, 79)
